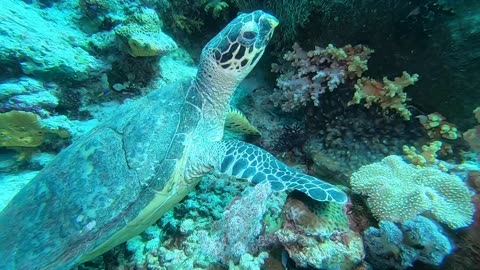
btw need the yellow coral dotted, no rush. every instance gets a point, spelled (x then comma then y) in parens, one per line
(428, 156)
(23, 129)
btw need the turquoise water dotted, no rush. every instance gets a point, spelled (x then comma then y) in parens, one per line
(154, 134)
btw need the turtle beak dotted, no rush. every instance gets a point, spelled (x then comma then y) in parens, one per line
(271, 20)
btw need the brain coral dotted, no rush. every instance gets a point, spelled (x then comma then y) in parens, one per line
(398, 191)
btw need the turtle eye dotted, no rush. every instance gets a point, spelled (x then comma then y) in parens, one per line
(249, 35)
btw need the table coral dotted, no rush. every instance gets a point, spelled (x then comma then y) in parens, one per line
(306, 75)
(388, 94)
(397, 191)
(398, 246)
(142, 32)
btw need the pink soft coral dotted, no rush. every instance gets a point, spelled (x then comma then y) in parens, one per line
(306, 75)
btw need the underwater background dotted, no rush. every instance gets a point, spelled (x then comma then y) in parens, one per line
(381, 98)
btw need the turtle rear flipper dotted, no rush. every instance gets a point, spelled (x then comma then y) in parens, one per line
(246, 161)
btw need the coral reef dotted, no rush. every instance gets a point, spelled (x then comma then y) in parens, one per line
(206, 220)
(142, 32)
(437, 127)
(216, 7)
(293, 137)
(307, 75)
(318, 235)
(389, 94)
(97, 9)
(25, 129)
(472, 136)
(43, 46)
(397, 191)
(467, 250)
(428, 155)
(393, 246)
(28, 95)
(342, 138)
(236, 233)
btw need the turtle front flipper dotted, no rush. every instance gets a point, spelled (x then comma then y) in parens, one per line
(246, 161)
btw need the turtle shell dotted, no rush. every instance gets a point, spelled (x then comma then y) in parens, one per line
(106, 187)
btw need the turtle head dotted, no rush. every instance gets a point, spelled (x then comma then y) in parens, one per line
(228, 58)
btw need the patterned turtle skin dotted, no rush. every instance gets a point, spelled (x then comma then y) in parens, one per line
(121, 177)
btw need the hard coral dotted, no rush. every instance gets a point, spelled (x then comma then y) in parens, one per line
(388, 94)
(142, 32)
(397, 191)
(307, 75)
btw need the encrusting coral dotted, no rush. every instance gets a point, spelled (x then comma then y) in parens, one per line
(397, 191)
(142, 32)
(24, 129)
(388, 94)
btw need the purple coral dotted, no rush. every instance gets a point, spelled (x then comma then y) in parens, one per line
(306, 75)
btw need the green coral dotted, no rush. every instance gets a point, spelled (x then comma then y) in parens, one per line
(397, 191)
(142, 32)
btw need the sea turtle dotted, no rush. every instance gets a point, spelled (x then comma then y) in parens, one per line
(121, 177)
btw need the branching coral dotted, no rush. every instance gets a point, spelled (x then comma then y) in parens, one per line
(142, 32)
(307, 75)
(388, 94)
(428, 156)
(397, 191)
